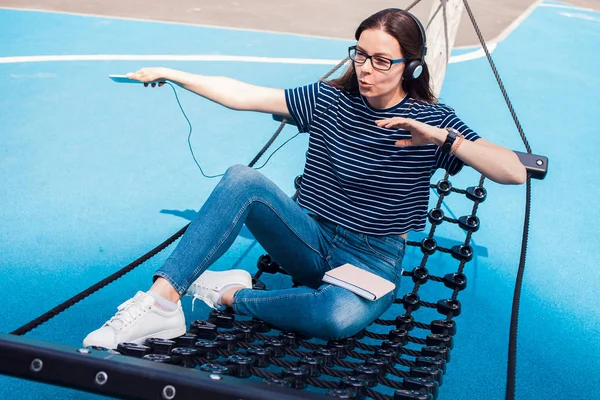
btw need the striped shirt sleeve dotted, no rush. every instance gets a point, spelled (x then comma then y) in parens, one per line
(301, 103)
(449, 162)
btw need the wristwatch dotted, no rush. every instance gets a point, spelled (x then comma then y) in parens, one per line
(452, 133)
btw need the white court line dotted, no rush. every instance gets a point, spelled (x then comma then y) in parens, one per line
(473, 55)
(163, 57)
(584, 17)
(567, 7)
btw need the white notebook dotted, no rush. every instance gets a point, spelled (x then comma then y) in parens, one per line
(364, 283)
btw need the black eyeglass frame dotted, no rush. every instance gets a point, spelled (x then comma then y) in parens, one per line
(368, 57)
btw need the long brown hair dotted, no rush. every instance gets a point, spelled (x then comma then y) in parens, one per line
(404, 29)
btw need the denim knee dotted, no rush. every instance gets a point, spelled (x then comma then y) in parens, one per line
(242, 174)
(237, 171)
(240, 178)
(343, 314)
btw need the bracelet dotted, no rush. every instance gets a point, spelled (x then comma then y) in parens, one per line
(457, 143)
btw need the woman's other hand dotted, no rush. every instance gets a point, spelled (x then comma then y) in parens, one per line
(421, 133)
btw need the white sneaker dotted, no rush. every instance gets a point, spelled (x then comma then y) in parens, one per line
(210, 285)
(138, 318)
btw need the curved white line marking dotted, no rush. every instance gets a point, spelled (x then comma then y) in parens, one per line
(473, 55)
(567, 7)
(163, 57)
(585, 17)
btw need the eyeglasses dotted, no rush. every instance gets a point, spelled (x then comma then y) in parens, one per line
(378, 62)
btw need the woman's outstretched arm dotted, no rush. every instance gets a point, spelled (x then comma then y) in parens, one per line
(228, 92)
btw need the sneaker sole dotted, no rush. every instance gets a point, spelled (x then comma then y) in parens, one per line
(169, 334)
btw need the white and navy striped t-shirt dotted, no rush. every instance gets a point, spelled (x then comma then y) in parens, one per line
(354, 174)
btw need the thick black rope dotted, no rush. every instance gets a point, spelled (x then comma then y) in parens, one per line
(514, 320)
(268, 144)
(497, 75)
(94, 288)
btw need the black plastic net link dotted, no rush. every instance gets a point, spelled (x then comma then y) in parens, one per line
(402, 358)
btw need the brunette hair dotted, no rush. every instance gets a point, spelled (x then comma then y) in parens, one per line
(403, 27)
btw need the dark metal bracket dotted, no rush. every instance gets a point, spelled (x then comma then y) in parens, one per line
(535, 164)
(127, 377)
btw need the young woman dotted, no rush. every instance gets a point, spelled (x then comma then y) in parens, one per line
(377, 135)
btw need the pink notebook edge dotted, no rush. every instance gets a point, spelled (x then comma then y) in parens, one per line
(382, 285)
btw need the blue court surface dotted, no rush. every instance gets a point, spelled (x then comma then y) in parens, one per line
(94, 174)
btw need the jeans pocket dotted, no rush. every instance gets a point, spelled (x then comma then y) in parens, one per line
(390, 251)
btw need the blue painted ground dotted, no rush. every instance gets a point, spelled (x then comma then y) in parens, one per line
(95, 174)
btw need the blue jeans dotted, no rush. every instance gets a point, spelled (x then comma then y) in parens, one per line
(305, 245)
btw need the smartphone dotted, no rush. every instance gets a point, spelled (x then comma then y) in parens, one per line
(122, 79)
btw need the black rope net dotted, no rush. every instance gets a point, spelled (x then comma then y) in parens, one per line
(400, 358)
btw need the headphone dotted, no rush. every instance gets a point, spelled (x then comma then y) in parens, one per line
(414, 67)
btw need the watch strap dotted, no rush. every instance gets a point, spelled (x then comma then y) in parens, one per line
(447, 145)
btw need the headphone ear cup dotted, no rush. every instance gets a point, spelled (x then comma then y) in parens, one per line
(413, 69)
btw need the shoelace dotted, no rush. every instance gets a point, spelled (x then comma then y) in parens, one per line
(128, 312)
(195, 296)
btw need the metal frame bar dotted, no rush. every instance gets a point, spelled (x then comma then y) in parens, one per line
(127, 377)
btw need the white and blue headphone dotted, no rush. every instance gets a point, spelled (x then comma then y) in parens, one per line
(414, 67)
